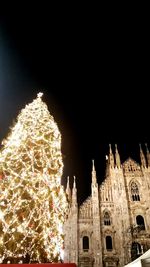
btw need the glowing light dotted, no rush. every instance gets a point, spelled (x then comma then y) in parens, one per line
(33, 204)
(40, 94)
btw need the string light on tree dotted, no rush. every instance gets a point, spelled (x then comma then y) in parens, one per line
(33, 204)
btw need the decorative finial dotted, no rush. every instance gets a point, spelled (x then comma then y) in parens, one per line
(110, 151)
(93, 165)
(39, 95)
(146, 147)
(68, 181)
(74, 182)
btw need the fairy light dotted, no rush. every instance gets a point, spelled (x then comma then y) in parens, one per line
(33, 204)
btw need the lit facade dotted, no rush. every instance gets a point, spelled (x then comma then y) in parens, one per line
(112, 226)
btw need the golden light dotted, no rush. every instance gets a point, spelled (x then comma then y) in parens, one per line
(33, 204)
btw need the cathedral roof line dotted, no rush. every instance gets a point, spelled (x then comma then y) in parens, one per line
(86, 202)
(129, 159)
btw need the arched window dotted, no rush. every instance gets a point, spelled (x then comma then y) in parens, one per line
(140, 222)
(108, 242)
(85, 243)
(106, 218)
(135, 192)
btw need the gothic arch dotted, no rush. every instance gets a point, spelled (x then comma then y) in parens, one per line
(134, 189)
(86, 233)
(140, 222)
(106, 217)
(85, 243)
(109, 240)
(109, 243)
(85, 240)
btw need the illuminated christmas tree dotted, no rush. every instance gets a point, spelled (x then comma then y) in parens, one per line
(33, 204)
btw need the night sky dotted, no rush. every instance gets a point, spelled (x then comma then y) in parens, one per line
(95, 78)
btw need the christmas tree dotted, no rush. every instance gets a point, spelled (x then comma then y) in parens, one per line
(33, 204)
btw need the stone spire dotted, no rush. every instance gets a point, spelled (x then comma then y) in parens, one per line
(94, 180)
(74, 183)
(68, 190)
(107, 173)
(97, 252)
(117, 157)
(111, 157)
(147, 155)
(74, 192)
(142, 157)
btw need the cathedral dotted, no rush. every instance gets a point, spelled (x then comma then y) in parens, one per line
(112, 226)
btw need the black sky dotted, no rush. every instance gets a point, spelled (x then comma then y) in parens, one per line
(95, 77)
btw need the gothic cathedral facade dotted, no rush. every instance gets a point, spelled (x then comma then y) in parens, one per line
(112, 226)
